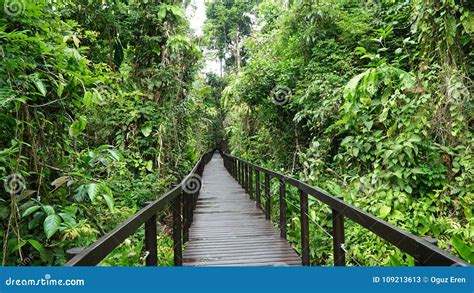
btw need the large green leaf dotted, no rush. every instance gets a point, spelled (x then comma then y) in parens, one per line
(51, 225)
(88, 99)
(92, 190)
(78, 126)
(149, 165)
(68, 219)
(384, 211)
(30, 210)
(39, 85)
(49, 210)
(177, 11)
(162, 12)
(147, 129)
(38, 246)
(108, 197)
(465, 251)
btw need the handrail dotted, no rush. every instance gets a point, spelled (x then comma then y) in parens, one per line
(424, 252)
(180, 205)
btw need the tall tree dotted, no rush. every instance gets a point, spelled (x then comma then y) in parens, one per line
(228, 22)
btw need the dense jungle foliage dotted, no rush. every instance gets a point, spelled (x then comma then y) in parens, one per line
(370, 100)
(102, 109)
(104, 105)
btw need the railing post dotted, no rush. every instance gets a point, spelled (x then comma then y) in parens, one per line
(251, 182)
(236, 176)
(239, 173)
(267, 197)
(257, 188)
(233, 167)
(151, 245)
(177, 230)
(245, 177)
(237, 169)
(185, 200)
(282, 209)
(338, 237)
(304, 228)
(190, 209)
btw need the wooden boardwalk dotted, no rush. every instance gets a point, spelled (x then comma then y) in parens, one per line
(229, 230)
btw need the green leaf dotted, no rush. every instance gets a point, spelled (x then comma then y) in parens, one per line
(384, 211)
(465, 251)
(346, 140)
(68, 219)
(60, 89)
(114, 154)
(30, 210)
(92, 190)
(71, 210)
(35, 222)
(92, 98)
(78, 126)
(38, 246)
(108, 197)
(408, 188)
(49, 210)
(177, 11)
(88, 99)
(103, 190)
(146, 130)
(51, 225)
(149, 165)
(355, 151)
(369, 124)
(39, 85)
(395, 261)
(162, 12)
(415, 138)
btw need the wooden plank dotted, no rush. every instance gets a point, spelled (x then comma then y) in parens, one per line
(229, 229)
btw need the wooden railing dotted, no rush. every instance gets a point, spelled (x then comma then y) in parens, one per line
(422, 250)
(181, 200)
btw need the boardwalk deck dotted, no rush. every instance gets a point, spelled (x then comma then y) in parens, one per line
(229, 230)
